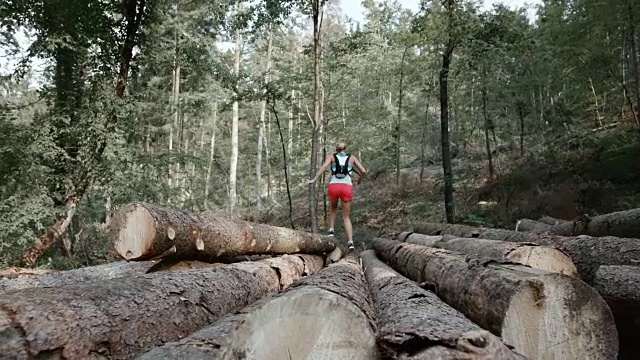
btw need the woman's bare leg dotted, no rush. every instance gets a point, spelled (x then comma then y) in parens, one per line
(346, 210)
(332, 213)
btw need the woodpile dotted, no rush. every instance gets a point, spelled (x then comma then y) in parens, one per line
(605, 250)
(197, 287)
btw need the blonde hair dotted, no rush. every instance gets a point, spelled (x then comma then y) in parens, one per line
(341, 146)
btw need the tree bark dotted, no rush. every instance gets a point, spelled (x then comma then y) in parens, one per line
(121, 318)
(317, 12)
(514, 302)
(620, 287)
(531, 225)
(551, 220)
(233, 196)
(521, 117)
(170, 263)
(399, 118)
(415, 324)
(261, 132)
(331, 306)
(114, 270)
(52, 235)
(487, 121)
(587, 253)
(211, 153)
(528, 254)
(145, 231)
(620, 223)
(444, 131)
(285, 165)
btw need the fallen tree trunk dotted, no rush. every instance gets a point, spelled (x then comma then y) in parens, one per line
(414, 323)
(170, 263)
(121, 318)
(542, 315)
(14, 272)
(551, 220)
(621, 223)
(146, 231)
(620, 286)
(540, 257)
(532, 225)
(324, 316)
(87, 274)
(587, 253)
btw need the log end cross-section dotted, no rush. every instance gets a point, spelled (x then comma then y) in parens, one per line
(543, 315)
(324, 316)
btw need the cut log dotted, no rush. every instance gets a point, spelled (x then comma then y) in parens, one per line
(324, 316)
(414, 323)
(542, 315)
(14, 272)
(621, 223)
(620, 286)
(551, 220)
(121, 318)
(146, 231)
(170, 263)
(587, 253)
(532, 225)
(87, 274)
(540, 257)
(182, 265)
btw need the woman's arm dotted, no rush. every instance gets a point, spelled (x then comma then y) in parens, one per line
(361, 170)
(323, 168)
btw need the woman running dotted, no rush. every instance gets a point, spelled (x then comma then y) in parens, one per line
(341, 186)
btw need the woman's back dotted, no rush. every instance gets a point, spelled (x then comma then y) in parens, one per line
(342, 157)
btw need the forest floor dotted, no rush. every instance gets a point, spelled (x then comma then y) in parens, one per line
(593, 173)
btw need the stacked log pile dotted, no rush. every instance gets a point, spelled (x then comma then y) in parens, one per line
(605, 250)
(197, 287)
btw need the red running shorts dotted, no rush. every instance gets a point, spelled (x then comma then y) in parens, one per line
(342, 191)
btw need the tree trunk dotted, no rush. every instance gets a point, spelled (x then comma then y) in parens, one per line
(261, 131)
(534, 311)
(415, 324)
(521, 117)
(114, 270)
(399, 118)
(635, 51)
(587, 253)
(620, 223)
(285, 165)
(263, 110)
(211, 153)
(53, 234)
(290, 126)
(317, 10)
(423, 143)
(233, 196)
(144, 231)
(121, 318)
(619, 286)
(444, 131)
(312, 319)
(539, 257)
(487, 122)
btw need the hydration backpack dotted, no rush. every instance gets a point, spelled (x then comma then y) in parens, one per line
(342, 170)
